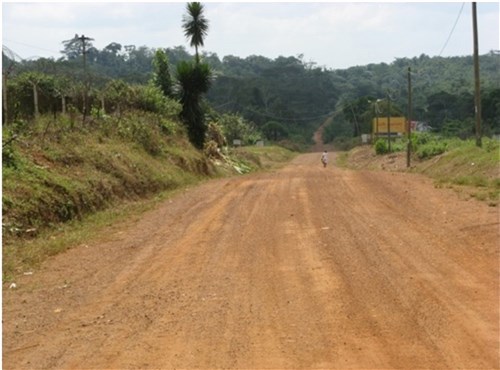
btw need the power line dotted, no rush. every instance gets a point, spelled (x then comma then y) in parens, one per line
(32, 46)
(452, 29)
(12, 55)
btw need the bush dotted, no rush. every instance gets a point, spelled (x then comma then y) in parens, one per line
(8, 153)
(421, 138)
(151, 99)
(431, 149)
(491, 145)
(381, 146)
(235, 126)
(426, 145)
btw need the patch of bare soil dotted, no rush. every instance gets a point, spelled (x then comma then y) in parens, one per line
(303, 267)
(364, 157)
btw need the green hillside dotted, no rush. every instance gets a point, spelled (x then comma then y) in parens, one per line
(286, 91)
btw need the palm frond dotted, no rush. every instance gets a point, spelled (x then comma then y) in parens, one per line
(195, 24)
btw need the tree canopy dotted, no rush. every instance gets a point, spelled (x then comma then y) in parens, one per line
(297, 94)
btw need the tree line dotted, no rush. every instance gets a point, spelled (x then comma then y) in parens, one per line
(285, 98)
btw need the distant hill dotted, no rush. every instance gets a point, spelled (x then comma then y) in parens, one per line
(296, 94)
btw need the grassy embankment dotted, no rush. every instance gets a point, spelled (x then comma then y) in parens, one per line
(454, 163)
(468, 168)
(64, 182)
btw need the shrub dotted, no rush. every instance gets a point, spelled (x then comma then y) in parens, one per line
(381, 146)
(491, 145)
(151, 99)
(8, 153)
(139, 129)
(427, 145)
(235, 126)
(431, 149)
(421, 138)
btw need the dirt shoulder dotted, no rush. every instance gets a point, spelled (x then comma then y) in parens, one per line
(301, 267)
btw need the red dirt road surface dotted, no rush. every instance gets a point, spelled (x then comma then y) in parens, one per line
(299, 268)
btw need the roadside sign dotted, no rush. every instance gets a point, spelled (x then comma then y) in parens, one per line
(398, 125)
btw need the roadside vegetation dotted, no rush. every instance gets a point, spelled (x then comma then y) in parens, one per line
(63, 180)
(450, 161)
(76, 157)
(462, 163)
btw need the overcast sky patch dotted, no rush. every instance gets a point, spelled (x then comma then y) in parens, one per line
(331, 34)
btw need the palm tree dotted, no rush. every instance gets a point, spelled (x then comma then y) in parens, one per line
(195, 26)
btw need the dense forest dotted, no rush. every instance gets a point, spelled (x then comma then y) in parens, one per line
(285, 98)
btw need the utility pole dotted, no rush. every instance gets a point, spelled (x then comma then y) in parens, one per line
(408, 129)
(83, 39)
(374, 123)
(5, 116)
(389, 120)
(477, 96)
(6, 71)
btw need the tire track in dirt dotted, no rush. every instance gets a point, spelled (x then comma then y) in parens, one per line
(302, 267)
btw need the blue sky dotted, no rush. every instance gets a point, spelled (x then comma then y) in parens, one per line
(331, 34)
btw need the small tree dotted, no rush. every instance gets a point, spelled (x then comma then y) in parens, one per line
(33, 94)
(162, 77)
(117, 96)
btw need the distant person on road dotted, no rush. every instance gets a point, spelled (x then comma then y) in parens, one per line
(324, 158)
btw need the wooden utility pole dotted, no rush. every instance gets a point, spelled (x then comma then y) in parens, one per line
(34, 84)
(477, 96)
(83, 39)
(408, 129)
(6, 71)
(389, 121)
(375, 106)
(5, 117)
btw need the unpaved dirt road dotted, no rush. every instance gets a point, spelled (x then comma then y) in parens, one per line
(303, 268)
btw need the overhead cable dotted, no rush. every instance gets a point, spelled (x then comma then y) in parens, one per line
(452, 29)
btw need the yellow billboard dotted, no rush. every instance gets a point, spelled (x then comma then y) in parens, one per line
(398, 125)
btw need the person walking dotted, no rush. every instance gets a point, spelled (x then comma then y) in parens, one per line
(324, 158)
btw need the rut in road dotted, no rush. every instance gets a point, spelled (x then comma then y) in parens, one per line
(303, 267)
